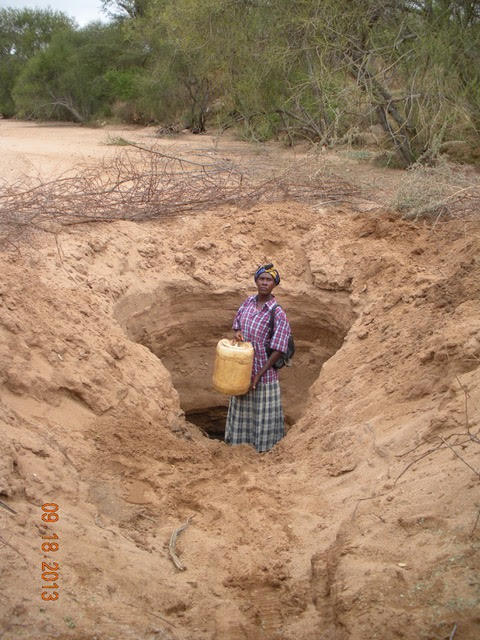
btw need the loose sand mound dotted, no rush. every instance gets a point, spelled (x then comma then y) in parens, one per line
(362, 523)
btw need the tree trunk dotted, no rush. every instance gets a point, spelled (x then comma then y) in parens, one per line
(384, 107)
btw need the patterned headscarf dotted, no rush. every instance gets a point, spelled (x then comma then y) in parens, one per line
(267, 268)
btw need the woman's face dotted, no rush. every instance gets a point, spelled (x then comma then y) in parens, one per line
(265, 284)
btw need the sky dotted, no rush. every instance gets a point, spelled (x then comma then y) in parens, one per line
(83, 11)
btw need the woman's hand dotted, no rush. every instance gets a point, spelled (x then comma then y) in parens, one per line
(238, 336)
(255, 381)
(274, 356)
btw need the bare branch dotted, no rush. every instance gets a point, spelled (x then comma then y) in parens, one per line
(460, 457)
(148, 184)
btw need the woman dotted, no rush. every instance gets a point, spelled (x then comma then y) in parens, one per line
(257, 417)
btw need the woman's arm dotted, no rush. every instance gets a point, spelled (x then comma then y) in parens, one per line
(281, 333)
(274, 356)
(237, 328)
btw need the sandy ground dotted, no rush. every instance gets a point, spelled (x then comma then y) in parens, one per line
(362, 523)
(50, 150)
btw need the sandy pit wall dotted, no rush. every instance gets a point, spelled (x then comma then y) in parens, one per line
(332, 534)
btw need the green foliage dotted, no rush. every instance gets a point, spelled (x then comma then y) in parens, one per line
(122, 83)
(434, 65)
(23, 33)
(312, 69)
(73, 78)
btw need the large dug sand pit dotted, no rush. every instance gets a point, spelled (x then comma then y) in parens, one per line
(181, 321)
(361, 523)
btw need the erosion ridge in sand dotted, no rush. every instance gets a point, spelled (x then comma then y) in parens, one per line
(336, 534)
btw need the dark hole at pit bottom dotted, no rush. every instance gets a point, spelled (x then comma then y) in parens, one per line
(211, 420)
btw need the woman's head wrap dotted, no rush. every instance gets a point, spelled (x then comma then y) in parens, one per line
(267, 268)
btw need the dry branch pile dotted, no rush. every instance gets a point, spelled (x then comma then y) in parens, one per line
(438, 192)
(146, 184)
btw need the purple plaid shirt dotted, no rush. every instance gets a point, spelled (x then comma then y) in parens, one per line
(255, 326)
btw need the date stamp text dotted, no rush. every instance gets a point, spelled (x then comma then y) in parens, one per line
(50, 568)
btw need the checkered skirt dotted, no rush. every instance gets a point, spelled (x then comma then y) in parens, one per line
(256, 418)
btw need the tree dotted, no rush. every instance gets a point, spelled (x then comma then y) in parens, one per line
(23, 33)
(72, 78)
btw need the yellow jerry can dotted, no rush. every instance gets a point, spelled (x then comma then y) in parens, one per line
(233, 367)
